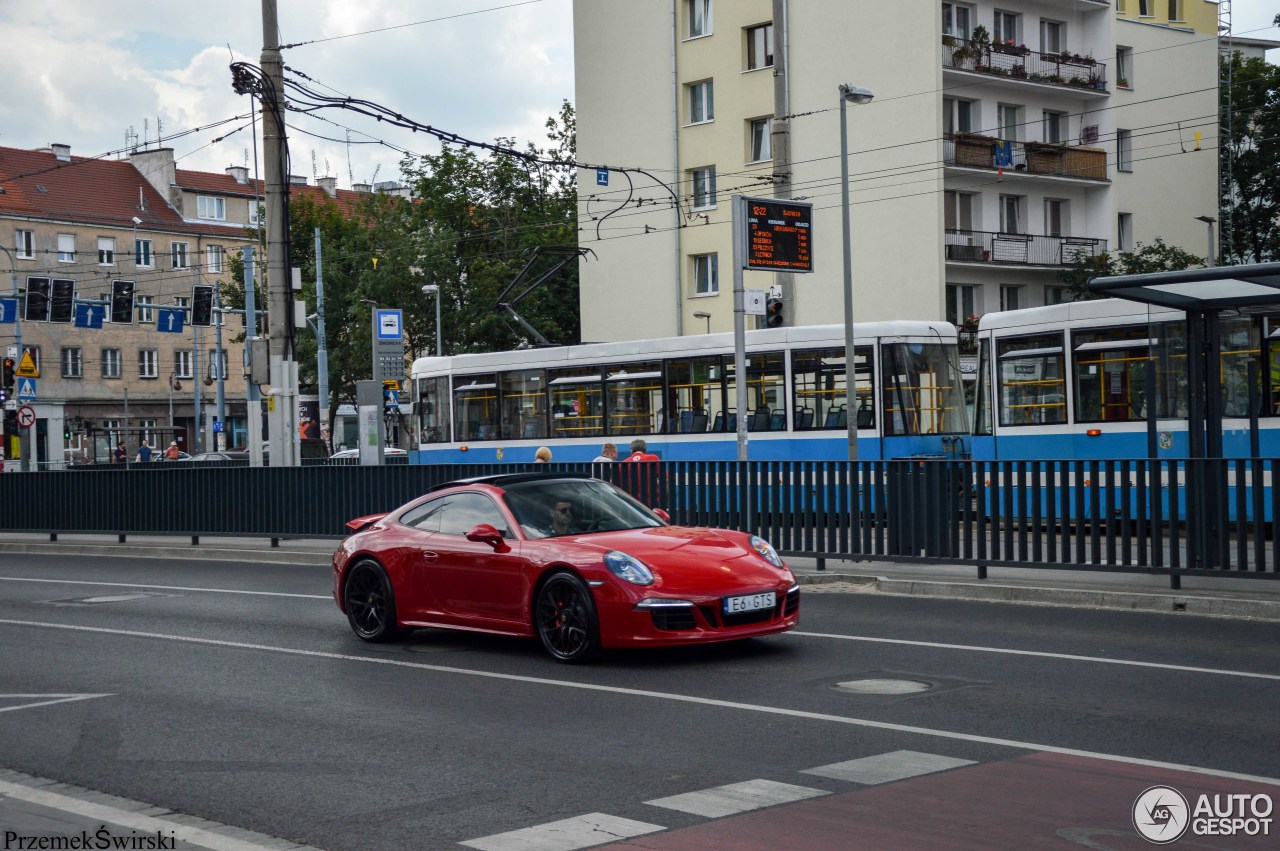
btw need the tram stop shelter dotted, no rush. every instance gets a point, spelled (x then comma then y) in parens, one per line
(1204, 295)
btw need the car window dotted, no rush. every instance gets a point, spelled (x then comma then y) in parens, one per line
(464, 511)
(426, 516)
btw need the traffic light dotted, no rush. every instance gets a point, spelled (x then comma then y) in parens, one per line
(62, 301)
(66, 430)
(202, 305)
(122, 302)
(37, 307)
(773, 313)
(10, 375)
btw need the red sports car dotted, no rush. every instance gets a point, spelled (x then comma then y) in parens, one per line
(570, 559)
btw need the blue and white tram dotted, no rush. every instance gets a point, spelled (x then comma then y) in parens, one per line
(679, 395)
(1069, 381)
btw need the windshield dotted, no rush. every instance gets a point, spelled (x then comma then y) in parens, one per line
(549, 508)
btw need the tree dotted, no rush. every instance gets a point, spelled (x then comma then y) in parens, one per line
(1252, 154)
(1156, 257)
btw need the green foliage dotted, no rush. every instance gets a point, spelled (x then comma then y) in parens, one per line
(1156, 257)
(1254, 151)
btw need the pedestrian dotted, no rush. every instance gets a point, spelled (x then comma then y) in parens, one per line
(644, 481)
(542, 456)
(608, 453)
(120, 454)
(172, 453)
(144, 453)
(640, 451)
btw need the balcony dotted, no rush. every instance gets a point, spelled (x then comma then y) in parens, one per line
(1019, 249)
(974, 150)
(1019, 64)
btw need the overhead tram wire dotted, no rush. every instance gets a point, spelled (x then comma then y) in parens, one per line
(412, 24)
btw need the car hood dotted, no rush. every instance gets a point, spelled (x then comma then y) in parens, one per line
(690, 559)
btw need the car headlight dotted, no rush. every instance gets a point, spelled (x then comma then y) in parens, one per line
(766, 551)
(628, 568)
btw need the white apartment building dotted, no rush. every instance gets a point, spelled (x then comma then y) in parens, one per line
(978, 172)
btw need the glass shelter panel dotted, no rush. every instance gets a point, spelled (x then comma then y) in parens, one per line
(635, 398)
(1111, 374)
(923, 391)
(1240, 346)
(524, 403)
(475, 407)
(695, 389)
(1029, 371)
(577, 402)
(1169, 349)
(433, 410)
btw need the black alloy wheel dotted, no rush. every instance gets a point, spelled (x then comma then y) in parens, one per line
(371, 606)
(565, 617)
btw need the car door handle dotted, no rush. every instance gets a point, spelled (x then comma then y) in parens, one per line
(428, 555)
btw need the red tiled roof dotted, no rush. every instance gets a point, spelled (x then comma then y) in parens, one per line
(224, 184)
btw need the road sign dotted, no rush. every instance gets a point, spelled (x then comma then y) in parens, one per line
(169, 320)
(217, 426)
(11, 404)
(90, 315)
(27, 366)
(8, 310)
(753, 302)
(26, 417)
(27, 389)
(602, 177)
(389, 325)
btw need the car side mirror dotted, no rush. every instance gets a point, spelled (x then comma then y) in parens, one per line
(662, 515)
(486, 534)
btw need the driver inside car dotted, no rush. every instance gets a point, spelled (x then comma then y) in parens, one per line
(562, 519)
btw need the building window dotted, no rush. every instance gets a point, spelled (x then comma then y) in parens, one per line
(26, 244)
(213, 259)
(957, 20)
(110, 363)
(704, 187)
(1124, 67)
(1124, 231)
(957, 115)
(1006, 27)
(106, 251)
(1175, 10)
(208, 207)
(178, 250)
(957, 210)
(1055, 217)
(1124, 150)
(113, 431)
(1010, 297)
(1054, 126)
(760, 47)
(142, 253)
(706, 274)
(148, 363)
(1011, 214)
(761, 130)
(1057, 295)
(962, 302)
(1144, 8)
(702, 105)
(1053, 36)
(72, 363)
(66, 248)
(145, 313)
(218, 364)
(699, 17)
(149, 433)
(255, 213)
(1008, 117)
(182, 363)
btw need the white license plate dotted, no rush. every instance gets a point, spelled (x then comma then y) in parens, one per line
(749, 603)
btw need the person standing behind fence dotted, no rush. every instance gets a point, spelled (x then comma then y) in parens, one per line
(120, 454)
(542, 456)
(640, 451)
(608, 453)
(144, 453)
(643, 479)
(172, 453)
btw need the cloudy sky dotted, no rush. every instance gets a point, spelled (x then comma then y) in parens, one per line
(88, 72)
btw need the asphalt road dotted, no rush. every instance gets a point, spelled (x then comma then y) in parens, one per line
(237, 693)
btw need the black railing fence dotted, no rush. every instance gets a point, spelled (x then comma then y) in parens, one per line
(1166, 517)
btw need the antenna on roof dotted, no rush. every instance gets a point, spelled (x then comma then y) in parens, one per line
(146, 128)
(373, 180)
(315, 175)
(351, 176)
(159, 130)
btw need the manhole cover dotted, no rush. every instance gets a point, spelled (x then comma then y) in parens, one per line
(883, 686)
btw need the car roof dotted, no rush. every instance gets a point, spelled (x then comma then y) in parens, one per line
(503, 480)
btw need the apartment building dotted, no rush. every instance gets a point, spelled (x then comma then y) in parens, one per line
(1004, 141)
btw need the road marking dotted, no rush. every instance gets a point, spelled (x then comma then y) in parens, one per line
(736, 798)
(887, 767)
(49, 701)
(167, 587)
(579, 832)
(135, 821)
(1040, 653)
(656, 695)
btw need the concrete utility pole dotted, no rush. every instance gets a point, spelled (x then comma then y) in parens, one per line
(253, 404)
(284, 409)
(216, 362)
(781, 143)
(322, 346)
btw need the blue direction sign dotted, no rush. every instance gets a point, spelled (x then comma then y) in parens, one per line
(390, 326)
(602, 177)
(90, 315)
(169, 320)
(8, 310)
(26, 389)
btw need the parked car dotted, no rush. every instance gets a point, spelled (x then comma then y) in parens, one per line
(387, 452)
(571, 560)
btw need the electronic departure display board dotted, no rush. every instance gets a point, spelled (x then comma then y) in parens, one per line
(778, 235)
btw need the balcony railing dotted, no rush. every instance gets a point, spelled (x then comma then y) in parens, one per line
(974, 150)
(1019, 249)
(1017, 62)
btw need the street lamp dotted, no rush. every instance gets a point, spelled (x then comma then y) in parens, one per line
(174, 384)
(702, 314)
(1209, 220)
(430, 289)
(854, 95)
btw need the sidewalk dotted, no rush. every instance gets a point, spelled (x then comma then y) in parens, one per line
(1224, 596)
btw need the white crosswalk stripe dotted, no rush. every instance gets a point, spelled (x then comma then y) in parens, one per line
(565, 835)
(737, 798)
(887, 767)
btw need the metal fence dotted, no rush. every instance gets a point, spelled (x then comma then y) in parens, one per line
(1165, 517)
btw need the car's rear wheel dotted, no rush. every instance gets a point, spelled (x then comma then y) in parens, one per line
(565, 617)
(370, 603)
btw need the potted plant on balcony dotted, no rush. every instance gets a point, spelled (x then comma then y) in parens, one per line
(1019, 71)
(981, 36)
(963, 56)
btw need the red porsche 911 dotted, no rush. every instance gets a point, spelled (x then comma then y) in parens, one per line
(572, 560)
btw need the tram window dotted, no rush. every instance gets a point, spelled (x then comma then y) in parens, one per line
(766, 394)
(1111, 374)
(577, 402)
(1239, 348)
(923, 393)
(475, 407)
(695, 388)
(1029, 371)
(524, 404)
(433, 410)
(1170, 352)
(635, 398)
(982, 405)
(819, 396)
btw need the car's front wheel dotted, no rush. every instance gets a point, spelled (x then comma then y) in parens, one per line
(565, 617)
(370, 602)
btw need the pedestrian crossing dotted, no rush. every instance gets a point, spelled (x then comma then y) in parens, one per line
(594, 829)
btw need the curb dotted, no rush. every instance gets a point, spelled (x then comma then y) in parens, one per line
(270, 556)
